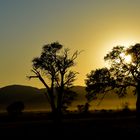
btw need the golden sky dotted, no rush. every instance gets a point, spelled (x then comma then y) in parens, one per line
(94, 26)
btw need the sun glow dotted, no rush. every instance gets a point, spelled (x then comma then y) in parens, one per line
(127, 58)
(126, 42)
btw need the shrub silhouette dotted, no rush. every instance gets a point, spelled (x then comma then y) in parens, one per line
(15, 108)
(125, 107)
(83, 108)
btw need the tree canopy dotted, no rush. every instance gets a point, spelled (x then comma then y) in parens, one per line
(119, 76)
(53, 69)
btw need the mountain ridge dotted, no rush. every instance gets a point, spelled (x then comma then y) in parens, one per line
(35, 99)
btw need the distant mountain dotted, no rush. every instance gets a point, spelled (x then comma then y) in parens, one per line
(34, 98)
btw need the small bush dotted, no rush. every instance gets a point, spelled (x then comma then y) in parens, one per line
(15, 108)
(125, 107)
(83, 108)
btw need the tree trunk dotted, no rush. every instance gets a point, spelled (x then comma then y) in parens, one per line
(59, 106)
(53, 108)
(50, 95)
(60, 98)
(53, 105)
(138, 102)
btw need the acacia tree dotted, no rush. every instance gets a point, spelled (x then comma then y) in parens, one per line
(120, 76)
(54, 65)
(99, 81)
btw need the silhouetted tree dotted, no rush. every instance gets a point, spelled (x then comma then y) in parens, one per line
(120, 76)
(99, 81)
(15, 108)
(54, 64)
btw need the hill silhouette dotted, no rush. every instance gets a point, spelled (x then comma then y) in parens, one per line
(35, 100)
(32, 97)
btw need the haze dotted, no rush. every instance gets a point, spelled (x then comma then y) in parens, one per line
(94, 26)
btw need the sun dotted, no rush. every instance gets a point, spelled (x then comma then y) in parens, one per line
(126, 43)
(127, 58)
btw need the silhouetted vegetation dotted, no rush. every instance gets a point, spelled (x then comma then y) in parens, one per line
(125, 107)
(119, 77)
(68, 97)
(97, 125)
(54, 64)
(15, 109)
(83, 108)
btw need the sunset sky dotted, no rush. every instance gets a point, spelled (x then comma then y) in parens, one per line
(94, 26)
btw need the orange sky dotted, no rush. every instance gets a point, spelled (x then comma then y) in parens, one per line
(94, 26)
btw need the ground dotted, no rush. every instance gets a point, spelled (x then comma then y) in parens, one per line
(99, 125)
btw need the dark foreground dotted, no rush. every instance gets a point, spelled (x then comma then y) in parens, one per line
(95, 126)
